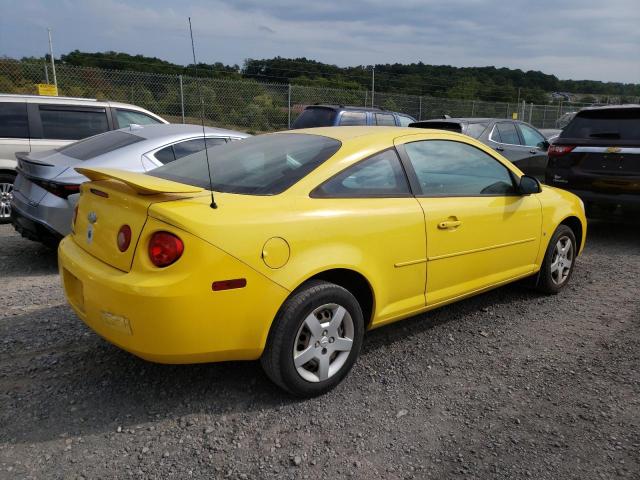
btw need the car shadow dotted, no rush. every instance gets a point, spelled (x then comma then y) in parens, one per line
(21, 257)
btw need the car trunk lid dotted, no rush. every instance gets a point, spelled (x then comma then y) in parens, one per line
(115, 198)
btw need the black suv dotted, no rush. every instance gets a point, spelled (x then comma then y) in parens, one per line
(335, 115)
(597, 156)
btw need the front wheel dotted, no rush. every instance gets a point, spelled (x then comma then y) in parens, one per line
(559, 261)
(315, 339)
(6, 195)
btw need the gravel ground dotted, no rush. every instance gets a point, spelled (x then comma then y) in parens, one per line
(509, 384)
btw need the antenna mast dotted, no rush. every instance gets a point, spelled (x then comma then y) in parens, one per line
(204, 138)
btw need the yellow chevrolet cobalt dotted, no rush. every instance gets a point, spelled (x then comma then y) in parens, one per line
(313, 237)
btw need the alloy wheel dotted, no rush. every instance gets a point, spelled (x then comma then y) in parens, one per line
(6, 195)
(562, 260)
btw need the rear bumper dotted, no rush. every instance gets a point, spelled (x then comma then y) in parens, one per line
(624, 199)
(32, 228)
(172, 315)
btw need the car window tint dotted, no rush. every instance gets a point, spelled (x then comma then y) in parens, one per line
(446, 167)
(508, 133)
(476, 129)
(127, 117)
(99, 145)
(405, 121)
(69, 124)
(165, 155)
(605, 124)
(531, 136)
(353, 118)
(13, 120)
(261, 165)
(380, 175)
(315, 117)
(385, 119)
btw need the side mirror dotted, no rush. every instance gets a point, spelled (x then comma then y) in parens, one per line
(529, 185)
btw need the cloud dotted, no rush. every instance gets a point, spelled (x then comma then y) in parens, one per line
(572, 39)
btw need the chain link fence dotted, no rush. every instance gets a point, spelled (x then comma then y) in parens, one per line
(248, 104)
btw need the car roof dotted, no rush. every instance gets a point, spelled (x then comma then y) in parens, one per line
(344, 133)
(611, 107)
(159, 130)
(355, 108)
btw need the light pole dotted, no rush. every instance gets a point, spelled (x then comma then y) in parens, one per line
(53, 63)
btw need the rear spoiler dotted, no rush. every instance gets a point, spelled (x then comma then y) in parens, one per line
(438, 125)
(145, 184)
(24, 157)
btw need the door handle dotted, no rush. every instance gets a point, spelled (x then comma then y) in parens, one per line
(533, 151)
(449, 224)
(500, 149)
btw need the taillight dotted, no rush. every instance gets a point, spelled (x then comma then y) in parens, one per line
(164, 249)
(62, 190)
(559, 150)
(124, 238)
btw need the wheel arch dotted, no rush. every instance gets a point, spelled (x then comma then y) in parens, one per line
(577, 228)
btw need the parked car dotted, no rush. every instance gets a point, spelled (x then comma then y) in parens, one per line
(518, 141)
(47, 185)
(30, 123)
(597, 156)
(318, 235)
(341, 115)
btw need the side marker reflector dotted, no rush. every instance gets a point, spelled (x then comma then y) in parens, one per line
(229, 284)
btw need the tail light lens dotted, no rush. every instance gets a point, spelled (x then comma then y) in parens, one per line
(164, 249)
(124, 238)
(62, 190)
(559, 150)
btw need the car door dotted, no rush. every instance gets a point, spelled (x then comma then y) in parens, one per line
(387, 224)
(537, 145)
(480, 232)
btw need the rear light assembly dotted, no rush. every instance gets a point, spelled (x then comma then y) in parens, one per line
(62, 190)
(165, 248)
(124, 238)
(559, 150)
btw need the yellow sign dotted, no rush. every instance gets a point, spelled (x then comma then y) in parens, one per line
(514, 116)
(47, 89)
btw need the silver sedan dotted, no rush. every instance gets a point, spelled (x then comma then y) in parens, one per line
(46, 188)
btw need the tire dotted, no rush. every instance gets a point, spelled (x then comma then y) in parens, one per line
(555, 276)
(322, 324)
(6, 194)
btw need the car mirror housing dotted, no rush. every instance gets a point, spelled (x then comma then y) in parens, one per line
(529, 185)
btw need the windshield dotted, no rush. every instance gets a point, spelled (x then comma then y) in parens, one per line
(262, 165)
(99, 145)
(608, 123)
(315, 117)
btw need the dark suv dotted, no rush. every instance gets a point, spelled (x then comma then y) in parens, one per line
(334, 115)
(597, 156)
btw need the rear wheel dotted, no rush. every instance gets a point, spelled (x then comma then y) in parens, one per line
(559, 261)
(315, 339)
(6, 195)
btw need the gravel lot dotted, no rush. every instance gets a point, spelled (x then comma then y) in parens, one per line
(508, 385)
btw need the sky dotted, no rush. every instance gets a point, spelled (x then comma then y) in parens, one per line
(572, 39)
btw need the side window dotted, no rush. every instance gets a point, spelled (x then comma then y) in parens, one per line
(68, 123)
(448, 168)
(13, 120)
(165, 155)
(508, 133)
(353, 118)
(385, 119)
(127, 117)
(476, 129)
(530, 136)
(379, 175)
(405, 121)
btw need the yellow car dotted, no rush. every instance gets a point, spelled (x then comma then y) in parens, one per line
(313, 237)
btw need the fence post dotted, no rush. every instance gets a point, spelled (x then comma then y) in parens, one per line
(181, 97)
(289, 106)
(530, 111)
(366, 98)
(473, 108)
(544, 117)
(46, 73)
(420, 108)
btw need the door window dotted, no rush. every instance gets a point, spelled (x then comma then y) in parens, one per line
(353, 118)
(506, 133)
(380, 175)
(405, 121)
(13, 120)
(448, 168)
(385, 119)
(531, 136)
(127, 117)
(67, 123)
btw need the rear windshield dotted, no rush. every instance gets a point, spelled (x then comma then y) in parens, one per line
(262, 165)
(99, 145)
(606, 124)
(315, 117)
